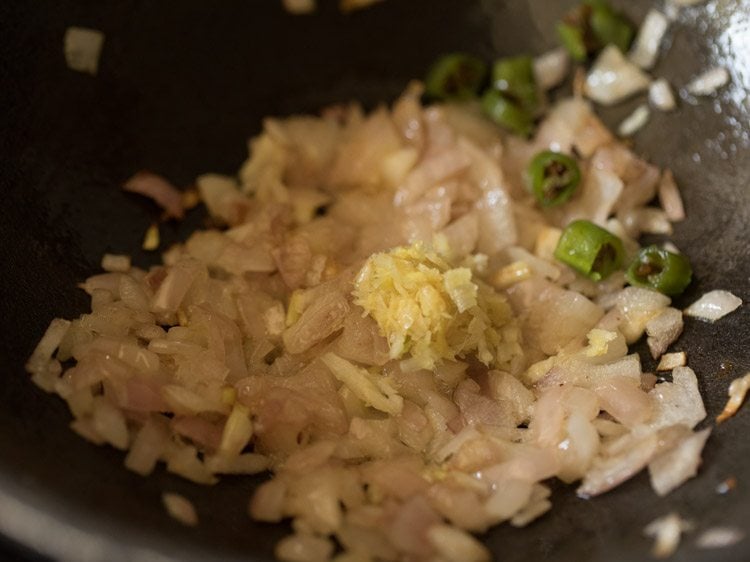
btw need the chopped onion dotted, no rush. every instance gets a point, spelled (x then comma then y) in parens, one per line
(323, 317)
(737, 390)
(661, 96)
(635, 121)
(148, 446)
(671, 360)
(637, 307)
(678, 402)
(183, 461)
(109, 422)
(647, 43)
(719, 537)
(551, 68)
(46, 347)
(601, 190)
(663, 330)
(708, 82)
(222, 196)
(267, 503)
(164, 194)
(619, 464)
(83, 47)
(645, 220)
(175, 286)
(304, 547)
(180, 508)
(247, 338)
(669, 197)
(666, 532)
(673, 468)
(115, 263)
(508, 497)
(537, 265)
(714, 305)
(613, 78)
(538, 505)
(455, 545)
(622, 398)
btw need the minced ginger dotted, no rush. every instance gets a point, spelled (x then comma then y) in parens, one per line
(434, 312)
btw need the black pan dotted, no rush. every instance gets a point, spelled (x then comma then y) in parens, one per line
(180, 88)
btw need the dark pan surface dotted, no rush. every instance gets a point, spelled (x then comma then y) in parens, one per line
(180, 88)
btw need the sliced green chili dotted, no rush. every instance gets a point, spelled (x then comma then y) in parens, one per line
(609, 27)
(506, 113)
(514, 78)
(592, 25)
(660, 269)
(572, 38)
(554, 177)
(455, 76)
(590, 250)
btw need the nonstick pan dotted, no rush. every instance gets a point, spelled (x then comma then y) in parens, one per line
(181, 87)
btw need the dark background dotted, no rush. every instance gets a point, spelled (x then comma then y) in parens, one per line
(181, 86)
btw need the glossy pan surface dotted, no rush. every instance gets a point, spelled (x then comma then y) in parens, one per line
(181, 87)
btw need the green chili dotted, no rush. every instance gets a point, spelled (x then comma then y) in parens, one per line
(610, 27)
(572, 38)
(514, 78)
(660, 269)
(506, 113)
(455, 76)
(554, 177)
(592, 25)
(590, 250)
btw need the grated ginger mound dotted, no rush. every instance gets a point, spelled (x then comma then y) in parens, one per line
(434, 312)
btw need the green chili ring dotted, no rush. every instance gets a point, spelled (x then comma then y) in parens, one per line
(661, 270)
(455, 76)
(590, 250)
(553, 177)
(507, 114)
(514, 78)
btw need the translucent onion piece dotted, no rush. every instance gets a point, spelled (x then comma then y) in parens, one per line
(666, 532)
(660, 95)
(646, 45)
(737, 391)
(180, 508)
(634, 122)
(613, 78)
(719, 537)
(551, 68)
(714, 305)
(708, 82)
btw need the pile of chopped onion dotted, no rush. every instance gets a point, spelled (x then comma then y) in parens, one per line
(412, 363)
(380, 320)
